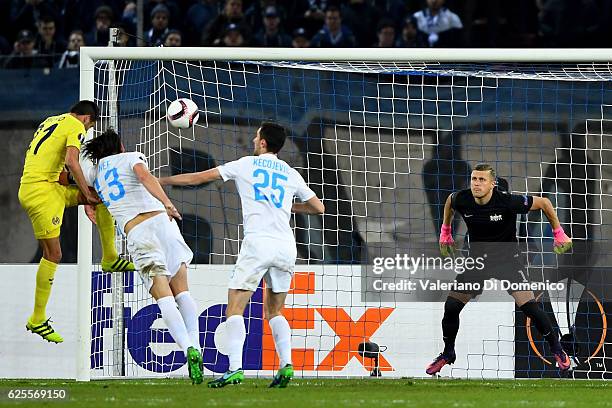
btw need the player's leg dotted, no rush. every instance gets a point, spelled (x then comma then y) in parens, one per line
(45, 208)
(281, 332)
(237, 299)
(38, 322)
(526, 302)
(189, 312)
(161, 292)
(111, 262)
(455, 302)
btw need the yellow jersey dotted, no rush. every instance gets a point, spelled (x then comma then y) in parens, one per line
(46, 156)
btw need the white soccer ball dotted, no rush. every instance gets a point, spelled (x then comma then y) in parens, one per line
(183, 113)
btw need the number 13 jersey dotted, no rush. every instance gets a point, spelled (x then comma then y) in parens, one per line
(119, 188)
(266, 186)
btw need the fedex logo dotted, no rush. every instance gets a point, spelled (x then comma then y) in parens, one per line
(145, 342)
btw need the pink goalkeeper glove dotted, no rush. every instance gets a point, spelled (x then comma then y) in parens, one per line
(562, 242)
(447, 243)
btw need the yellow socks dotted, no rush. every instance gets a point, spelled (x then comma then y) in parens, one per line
(44, 280)
(106, 229)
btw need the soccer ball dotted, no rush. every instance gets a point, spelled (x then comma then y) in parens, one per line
(182, 113)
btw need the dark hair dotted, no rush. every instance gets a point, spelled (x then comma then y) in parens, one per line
(384, 23)
(333, 8)
(46, 19)
(101, 146)
(274, 135)
(485, 167)
(86, 107)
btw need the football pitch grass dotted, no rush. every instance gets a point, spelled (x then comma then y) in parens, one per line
(310, 393)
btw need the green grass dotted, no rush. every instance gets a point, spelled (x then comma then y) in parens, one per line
(372, 393)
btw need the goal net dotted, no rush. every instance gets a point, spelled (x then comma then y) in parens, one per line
(383, 144)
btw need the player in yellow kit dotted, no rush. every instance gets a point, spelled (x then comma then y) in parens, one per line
(56, 144)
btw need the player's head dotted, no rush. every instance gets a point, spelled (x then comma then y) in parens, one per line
(87, 112)
(482, 180)
(106, 144)
(270, 138)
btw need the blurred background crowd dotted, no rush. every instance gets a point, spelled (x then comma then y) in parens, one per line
(49, 33)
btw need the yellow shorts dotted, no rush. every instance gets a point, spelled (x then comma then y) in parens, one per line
(44, 203)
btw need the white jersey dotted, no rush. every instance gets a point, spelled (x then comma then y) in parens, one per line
(266, 186)
(119, 188)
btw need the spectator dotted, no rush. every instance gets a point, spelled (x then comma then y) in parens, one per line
(25, 13)
(232, 14)
(333, 33)
(198, 16)
(300, 38)
(24, 56)
(361, 17)
(271, 35)
(160, 17)
(70, 57)
(47, 44)
(440, 26)
(174, 11)
(174, 38)
(253, 14)
(386, 34)
(100, 35)
(232, 37)
(81, 14)
(409, 38)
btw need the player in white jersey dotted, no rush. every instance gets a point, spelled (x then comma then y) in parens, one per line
(266, 186)
(145, 215)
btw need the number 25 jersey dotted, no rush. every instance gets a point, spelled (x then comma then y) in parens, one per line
(266, 186)
(119, 188)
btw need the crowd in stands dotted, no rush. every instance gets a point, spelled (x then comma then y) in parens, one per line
(49, 33)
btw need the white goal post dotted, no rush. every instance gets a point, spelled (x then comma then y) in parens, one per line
(565, 64)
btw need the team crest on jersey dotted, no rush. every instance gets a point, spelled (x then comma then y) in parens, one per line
(55, 220)
(496, 217)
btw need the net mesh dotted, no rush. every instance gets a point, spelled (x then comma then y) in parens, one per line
(383, 144)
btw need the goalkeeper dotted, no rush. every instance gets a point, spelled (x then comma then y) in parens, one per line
(56, 144)
(490, 217)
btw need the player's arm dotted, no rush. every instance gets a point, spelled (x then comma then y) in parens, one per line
(311, 206)
(152, 185)
(562, 241)
(447, 244)
(191, 179)
(73, 165)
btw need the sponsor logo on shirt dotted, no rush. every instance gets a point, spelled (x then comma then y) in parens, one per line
(496, 217)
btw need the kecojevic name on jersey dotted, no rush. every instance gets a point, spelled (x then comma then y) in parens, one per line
(270, 164)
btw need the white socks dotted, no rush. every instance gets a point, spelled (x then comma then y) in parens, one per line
(187, 308)
(175, 323)
(236, 333)
(282, 338)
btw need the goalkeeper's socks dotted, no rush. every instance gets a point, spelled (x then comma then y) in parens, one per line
(236, 333)
(187, 308)
(174, 322)
(450, 323)
(106, 229)
(542, 323)
(282, 338)
(44, 281)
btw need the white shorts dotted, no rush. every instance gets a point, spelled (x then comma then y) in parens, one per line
(157, 248)
(271, 259)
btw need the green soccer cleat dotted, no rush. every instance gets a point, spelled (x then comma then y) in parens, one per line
(45, 331)
(282, 377)
(118, 265)
(230, 377)
(194, 363)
